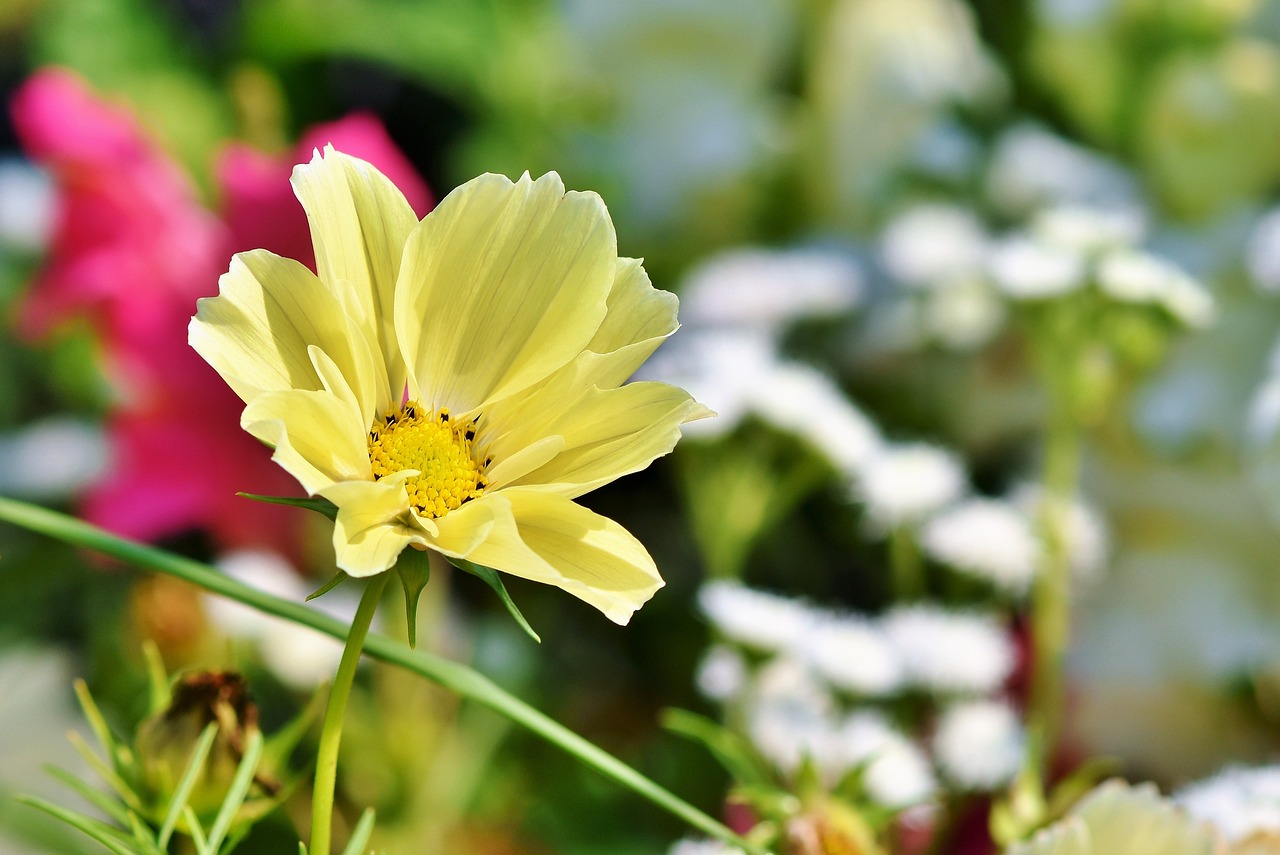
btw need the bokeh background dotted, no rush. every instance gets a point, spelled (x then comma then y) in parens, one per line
(855, 201)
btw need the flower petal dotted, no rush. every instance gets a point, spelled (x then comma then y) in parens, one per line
(372, 526)
(256, 332)
(549, 539)
(612, 433)
(359, 224)
(317, 436)
(502, 284)
(639, 317)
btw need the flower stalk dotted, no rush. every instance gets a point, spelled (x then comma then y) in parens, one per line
(335, 712)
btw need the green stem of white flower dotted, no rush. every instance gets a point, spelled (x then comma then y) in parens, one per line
(334, 714)
(1051, 595)
(451, 675)
(905, 566)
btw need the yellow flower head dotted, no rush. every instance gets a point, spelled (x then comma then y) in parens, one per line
(455, 383)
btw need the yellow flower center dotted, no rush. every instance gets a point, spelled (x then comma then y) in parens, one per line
(436, 446)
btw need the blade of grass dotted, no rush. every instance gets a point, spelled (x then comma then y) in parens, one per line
(237, 792)
(187, 782)
(104, 771)
(112, 838)
(90, 794)
(360, 834)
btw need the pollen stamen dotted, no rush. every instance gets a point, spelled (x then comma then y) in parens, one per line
(441, 451)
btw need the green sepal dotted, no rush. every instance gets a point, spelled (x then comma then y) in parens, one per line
(338, 579)
(414, 569)
(493, 580)
(734, 753)
(319, 505)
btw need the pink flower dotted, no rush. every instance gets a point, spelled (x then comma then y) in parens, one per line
(133, 249)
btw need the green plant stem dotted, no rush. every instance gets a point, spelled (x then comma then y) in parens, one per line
(905, 565)
(1051, 595)
(335, 713)
(451, 675)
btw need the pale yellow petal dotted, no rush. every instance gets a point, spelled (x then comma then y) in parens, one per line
(614, 433)
(316, 436)
(373, 524)
(502, 284)
(269, 310)
(549, 539)
(1124, 819)
(638, 319)
(1068, 837)
(359, 224)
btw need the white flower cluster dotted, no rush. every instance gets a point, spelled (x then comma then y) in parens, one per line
(1240, 802)
(813, 683)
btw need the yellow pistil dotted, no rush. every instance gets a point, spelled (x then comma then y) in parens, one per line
(436, 446)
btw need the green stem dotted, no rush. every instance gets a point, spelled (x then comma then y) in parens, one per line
(905, 565)
(451, 675)
(335, 712)
(1051, 596)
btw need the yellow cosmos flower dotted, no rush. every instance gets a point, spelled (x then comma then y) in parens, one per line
(455, 383)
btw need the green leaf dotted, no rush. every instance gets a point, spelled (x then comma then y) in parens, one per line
(194, 831)
(104, 771)
(414, 569)
(320, 506)
(733, 752)
(493, 580)
(157, 678)
(237, 792)
(90, 794)
(112, 838)
(187, 783)
(337, 580)
(360, 836)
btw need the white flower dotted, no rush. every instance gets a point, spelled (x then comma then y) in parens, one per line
(721, 367)
(952, 652)
(903, 484)
(299, 656)
(1028, 269)
(964, 314)
(930, 243)
(897, 774)
(1087, 230)
(1238, 801)
(27, 205)
(722, 673)
(754, 618)
(1263, 253)
(979, 744)
(1133, 276)
(52, 458)
(791, 716)
(986, 538)
(806, 402)
(1032, 167)
(852, 654)
(766, 289)
(691, 846)
(1087, 540)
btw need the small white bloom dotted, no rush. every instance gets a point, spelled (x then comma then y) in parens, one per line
(722, 673)
(1087, 229)
(903, 484)
(754, 618)
(300, 656)
(986, 538)
(1238, 801)
(27, 203)
(52, 458)
(1138, 277)
(897, 774)
(852, 654)
(806, 402)
(1032, 167)
(691, 846)
(1028, 269)
(952, 652)
(1088, 541)
(1263, 253)
(979, 744)
(965, 314)
(721, 368)
(766, 289)
(791, 716)
(931, 243)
